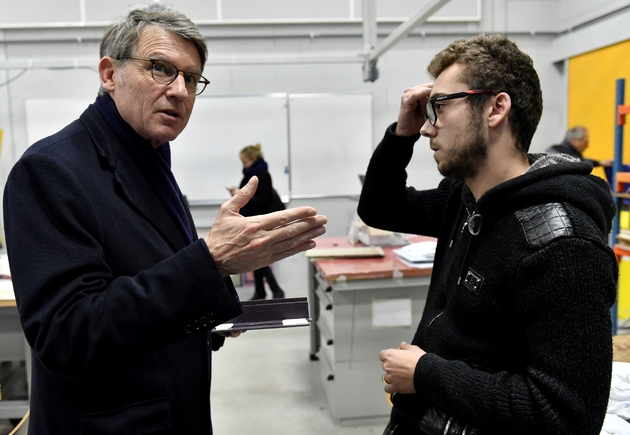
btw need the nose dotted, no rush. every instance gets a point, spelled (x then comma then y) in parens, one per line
(428, 130)
(178, 87)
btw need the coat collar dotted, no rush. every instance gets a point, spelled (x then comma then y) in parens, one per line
(130, 180)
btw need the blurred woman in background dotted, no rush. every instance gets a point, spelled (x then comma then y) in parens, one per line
(266, 200)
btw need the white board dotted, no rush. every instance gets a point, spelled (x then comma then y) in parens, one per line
(315, 144)
(205, 156)
(330, 143)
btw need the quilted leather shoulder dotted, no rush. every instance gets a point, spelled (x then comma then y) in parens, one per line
(545, 222)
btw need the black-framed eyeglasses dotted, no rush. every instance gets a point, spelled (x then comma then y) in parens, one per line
(431, 113)
(165, 73)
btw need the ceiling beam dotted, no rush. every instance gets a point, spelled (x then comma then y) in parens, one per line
(370, 72)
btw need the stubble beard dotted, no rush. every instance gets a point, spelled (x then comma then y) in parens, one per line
(469, 151)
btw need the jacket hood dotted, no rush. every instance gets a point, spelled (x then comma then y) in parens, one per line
(551, 178)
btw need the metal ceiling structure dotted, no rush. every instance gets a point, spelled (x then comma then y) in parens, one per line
(372, 49)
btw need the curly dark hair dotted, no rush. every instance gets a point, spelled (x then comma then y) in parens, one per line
(494, 62)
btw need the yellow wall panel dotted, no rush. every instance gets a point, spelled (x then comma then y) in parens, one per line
(592, 100)
(592, 97)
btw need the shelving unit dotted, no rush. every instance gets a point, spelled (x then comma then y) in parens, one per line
(345, 296)
(14, 348)
(620, 180)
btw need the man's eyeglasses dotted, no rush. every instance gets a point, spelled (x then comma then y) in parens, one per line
(431, 113)
(165, 73)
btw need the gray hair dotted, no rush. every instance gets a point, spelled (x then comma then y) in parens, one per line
(121, 38)
(577, 132)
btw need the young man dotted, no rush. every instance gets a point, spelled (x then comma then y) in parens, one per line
(116, 292)
(515, 337)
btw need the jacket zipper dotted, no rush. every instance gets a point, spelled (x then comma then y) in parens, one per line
(433, 320)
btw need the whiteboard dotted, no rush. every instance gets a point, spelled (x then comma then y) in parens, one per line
(315, 144)
(205, 156)
(330, 143)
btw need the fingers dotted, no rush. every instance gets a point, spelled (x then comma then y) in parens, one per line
(399, 367)
(289, 230)
(388, 378)
(412, 109)
(240, 244)
(383, 354)
(296, 237)
(241, 197)
(231, 334)
(281, 218)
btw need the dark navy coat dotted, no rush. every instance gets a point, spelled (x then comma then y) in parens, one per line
(115, 305)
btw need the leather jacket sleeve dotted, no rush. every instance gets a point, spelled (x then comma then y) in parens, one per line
(438, 422)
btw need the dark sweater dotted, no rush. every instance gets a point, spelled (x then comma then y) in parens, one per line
(517, 325)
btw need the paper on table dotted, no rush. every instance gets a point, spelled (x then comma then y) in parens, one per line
(420, 252)
(419, 265)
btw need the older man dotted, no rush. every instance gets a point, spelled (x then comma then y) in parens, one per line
(117, 294)
(574, 144)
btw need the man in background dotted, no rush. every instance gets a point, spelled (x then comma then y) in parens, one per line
(515, 336)
(574, 144)
(117, 294)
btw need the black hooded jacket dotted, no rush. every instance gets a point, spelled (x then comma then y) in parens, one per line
(517, 324)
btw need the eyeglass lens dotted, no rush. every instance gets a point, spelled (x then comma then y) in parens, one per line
(165, 73)
(431, 113)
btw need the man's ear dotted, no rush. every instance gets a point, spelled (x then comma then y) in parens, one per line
(106, 70)
(500, 109)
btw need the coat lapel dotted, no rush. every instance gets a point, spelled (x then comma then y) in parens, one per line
(130, 179)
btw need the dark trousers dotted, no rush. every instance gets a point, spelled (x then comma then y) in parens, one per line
(262, 274)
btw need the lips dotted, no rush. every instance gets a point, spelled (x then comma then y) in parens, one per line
(171, 113)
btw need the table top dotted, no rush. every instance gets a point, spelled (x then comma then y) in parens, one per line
(621, 348)
(366, 268)
(4, 303)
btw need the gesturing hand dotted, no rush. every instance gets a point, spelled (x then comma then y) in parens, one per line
(241, 244)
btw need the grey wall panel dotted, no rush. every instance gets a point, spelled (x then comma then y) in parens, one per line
(39, 11)
(404, 8)
(284, 9)
(97, 11)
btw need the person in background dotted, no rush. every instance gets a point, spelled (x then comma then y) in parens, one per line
(265, 200)
(117, 294)
(515, 336)
(574, 144)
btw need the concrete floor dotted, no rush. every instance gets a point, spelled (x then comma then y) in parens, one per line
(264, 382)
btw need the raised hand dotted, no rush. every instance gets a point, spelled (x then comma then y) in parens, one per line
(241, 244)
